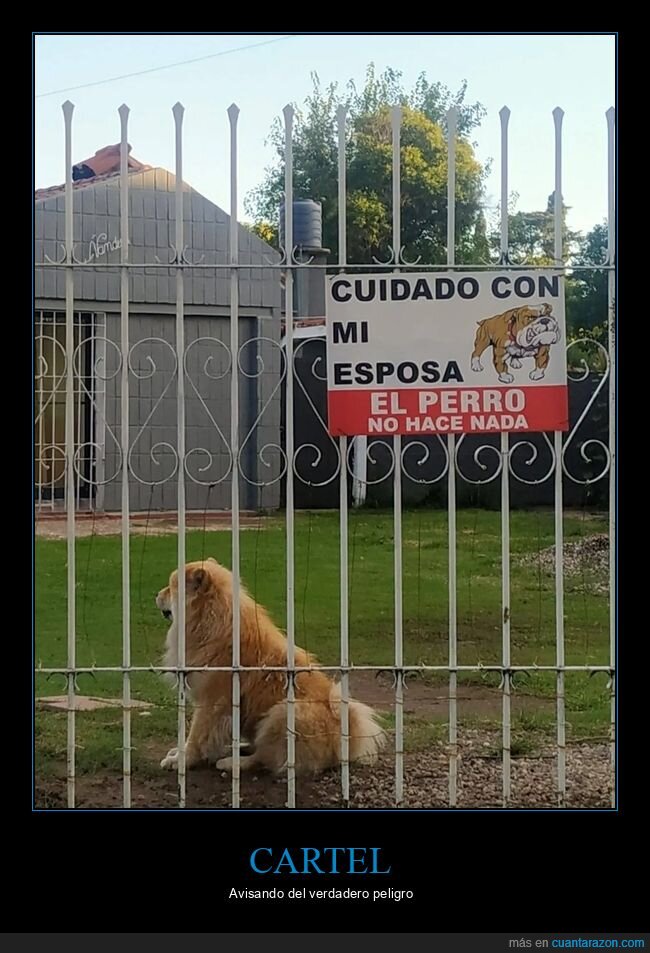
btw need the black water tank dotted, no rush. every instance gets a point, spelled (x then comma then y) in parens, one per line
(307, 224)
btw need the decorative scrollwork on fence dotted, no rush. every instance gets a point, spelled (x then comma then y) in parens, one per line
(161, 448)
(392, 258)
(49, 378)
(270, 451)
(42, 373)
(372, 460)
(483, 457)
(206, 475)
(594, 452)
(403, 260)
(99, 371)
(312, 448)
(425, 455)
(47, 471)
(527, 452)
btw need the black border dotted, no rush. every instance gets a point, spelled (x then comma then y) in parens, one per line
(471, 871)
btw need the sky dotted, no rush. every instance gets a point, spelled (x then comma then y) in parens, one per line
(529, 73)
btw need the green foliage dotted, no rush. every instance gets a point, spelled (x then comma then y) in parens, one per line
(317, 616)
(369, 168)
(531, 239)
(587, 289)
(531, 235)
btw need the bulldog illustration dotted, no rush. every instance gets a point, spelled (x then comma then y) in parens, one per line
(516, 334)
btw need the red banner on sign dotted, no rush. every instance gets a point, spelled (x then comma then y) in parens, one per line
(414, 411)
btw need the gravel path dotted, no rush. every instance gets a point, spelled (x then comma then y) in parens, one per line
(588, 557)
(425, 782)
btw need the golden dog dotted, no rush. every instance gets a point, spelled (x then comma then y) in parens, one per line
(208, 641)
(516, 334)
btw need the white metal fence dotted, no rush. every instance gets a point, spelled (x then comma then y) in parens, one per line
(68, 450)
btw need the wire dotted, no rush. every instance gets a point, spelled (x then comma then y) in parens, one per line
(157, 69)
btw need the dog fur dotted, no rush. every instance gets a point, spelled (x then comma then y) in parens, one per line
(263, 718)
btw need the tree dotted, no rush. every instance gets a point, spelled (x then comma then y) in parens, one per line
(587, 288)
(369, 168)
(531, 236)
(531, 241)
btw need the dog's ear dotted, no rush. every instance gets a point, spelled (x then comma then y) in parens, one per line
(198, 580)
(211, 559)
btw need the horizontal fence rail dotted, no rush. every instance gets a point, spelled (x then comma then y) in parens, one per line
(127, 420)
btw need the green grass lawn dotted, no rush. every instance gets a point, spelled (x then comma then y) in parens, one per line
(425, 555)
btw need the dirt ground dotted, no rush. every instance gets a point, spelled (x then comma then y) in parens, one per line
(53, 525)
(425, 771)
(425, 783)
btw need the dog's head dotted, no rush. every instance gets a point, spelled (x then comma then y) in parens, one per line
(203, 581)
(533, 327)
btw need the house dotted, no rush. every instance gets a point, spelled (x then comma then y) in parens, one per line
(152, 360)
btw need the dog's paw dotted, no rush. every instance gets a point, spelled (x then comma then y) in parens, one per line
(516, 363)
(537, 374)
(506, 378)
(224, 764)
(170, 761)
(476, 364)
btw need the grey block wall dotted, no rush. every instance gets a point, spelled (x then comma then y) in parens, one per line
(153, 374)
(153, 430)
(152, 209)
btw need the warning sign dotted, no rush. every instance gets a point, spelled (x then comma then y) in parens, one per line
(446, 353)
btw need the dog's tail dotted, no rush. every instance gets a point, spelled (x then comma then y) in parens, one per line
(367, 737)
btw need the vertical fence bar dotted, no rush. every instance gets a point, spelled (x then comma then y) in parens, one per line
(55, 352)
(178, 112)
(611, 323)
(558, 254)
(504, 116)
(452, 127)
(78, 377)
(505, 620)
(92, 488)
(53, 414)
(345, 636)
(40, 364)
(343, 497)
(99, 419)
(124, 435)
(396, 120)
(396, 127)
(53, 476)
(452, 122)
(233, 115)
(399, 633)
(68, 110)
(288, 112)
